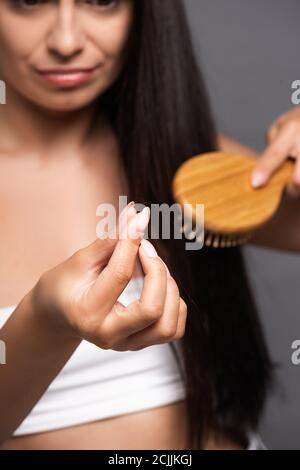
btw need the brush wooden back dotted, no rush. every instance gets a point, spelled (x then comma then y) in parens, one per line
(221, 181)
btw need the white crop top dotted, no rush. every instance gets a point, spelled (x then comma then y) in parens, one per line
(95, 383)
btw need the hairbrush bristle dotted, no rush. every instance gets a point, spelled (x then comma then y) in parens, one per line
(221, 240)
(212, 239)
(220, 182)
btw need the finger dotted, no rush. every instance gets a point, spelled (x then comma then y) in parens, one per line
(293, 187)
(181, 326)
(141, 313)
(272, 132)
(97, 253)
(164, 329)
(272, 158)
(127, 213)
(119, 269)
(285, 119)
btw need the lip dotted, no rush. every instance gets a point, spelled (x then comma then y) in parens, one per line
(67, 77)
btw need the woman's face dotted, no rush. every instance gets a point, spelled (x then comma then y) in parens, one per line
(38, 35)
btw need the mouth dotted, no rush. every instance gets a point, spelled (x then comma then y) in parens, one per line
(67, 77)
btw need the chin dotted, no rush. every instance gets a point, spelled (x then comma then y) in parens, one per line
(66, 105)
(64, 100)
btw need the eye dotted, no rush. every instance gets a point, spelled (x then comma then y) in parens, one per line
(104, 4)
(31, 4)
(27, 4)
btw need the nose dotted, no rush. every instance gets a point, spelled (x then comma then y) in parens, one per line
(66, 38)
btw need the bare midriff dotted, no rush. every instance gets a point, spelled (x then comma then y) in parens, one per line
(159, 428)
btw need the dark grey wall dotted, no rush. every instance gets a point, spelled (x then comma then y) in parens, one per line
(250, 52)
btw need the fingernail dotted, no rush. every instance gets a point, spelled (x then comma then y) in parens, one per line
(126, 213)
(148, 248)
(257, 179)
(142, 219)
(131, 209)
(126, 210)
(136, 226)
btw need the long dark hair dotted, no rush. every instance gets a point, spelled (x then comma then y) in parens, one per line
(161, 113)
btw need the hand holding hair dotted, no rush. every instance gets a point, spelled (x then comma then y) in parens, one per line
(79, 297)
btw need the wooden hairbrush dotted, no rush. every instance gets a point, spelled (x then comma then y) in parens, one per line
(233, 209)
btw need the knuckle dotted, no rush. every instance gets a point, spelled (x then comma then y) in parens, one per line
(159, 267)
(183, 306)
(122, 274)
(152, 312)
(180, 332)
(168, 331)
(292, 126)
(106, 343)
(183, 313)
(173, 285)
(106, 337)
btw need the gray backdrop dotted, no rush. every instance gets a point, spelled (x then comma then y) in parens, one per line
(249, 52)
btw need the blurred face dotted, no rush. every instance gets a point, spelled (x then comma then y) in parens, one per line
(62, 54)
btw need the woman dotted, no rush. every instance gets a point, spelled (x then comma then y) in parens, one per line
(69, 143)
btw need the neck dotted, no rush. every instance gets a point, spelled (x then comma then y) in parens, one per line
(44, 132)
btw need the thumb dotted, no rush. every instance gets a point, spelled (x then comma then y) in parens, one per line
(271, 159)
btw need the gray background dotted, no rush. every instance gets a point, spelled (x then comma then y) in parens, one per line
(250, 56)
